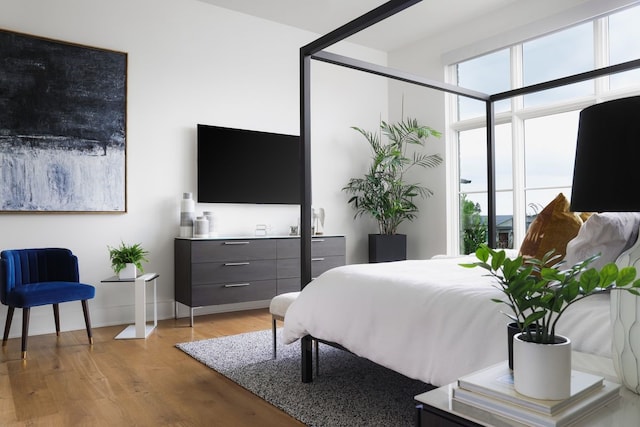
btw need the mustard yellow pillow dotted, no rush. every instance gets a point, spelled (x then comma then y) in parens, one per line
(554, 226)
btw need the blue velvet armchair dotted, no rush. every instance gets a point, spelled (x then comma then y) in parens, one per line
(33, 277)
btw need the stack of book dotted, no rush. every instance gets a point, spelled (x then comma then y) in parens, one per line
(491, 390)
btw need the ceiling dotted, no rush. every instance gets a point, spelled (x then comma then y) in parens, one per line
(322, 16)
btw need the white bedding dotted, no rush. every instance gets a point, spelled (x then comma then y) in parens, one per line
(431, 320)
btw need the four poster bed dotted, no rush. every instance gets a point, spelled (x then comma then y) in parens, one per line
(430, 320)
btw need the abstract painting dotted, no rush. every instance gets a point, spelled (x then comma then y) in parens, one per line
(62, 126)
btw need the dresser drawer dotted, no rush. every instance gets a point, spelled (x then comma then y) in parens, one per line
(288, 248)
(289, 268)
(324, 246)
(213, 294)
(288, 285)
(233, 250)
(321, 264)
(320, 246)
(228, 272)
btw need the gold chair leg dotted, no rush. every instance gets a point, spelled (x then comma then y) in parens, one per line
(26, 311)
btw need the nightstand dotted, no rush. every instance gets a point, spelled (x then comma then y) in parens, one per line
(434, 407)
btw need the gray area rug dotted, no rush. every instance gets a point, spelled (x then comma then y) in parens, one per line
(350, 391)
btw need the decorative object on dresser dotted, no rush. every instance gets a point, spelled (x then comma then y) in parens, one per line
(608, 135)
(126, 260)
(201, 227)
(317, 223)
(187, 215)
(383, 192)
(241, 270)
(210, 218)
(537, 293)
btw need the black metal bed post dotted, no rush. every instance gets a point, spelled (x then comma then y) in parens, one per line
(305, 200)
(370, 18)
(491, 174)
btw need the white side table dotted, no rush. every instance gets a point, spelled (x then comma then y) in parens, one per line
(141, 329)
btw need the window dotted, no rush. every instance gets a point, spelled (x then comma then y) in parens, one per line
(488, 74)
(624, 33)
(558, 55)
(535, 133)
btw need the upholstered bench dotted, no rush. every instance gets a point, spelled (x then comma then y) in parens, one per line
(278, 309)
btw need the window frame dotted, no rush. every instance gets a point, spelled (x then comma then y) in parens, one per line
(516, 116)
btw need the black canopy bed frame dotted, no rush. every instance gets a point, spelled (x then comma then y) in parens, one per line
(315, 51)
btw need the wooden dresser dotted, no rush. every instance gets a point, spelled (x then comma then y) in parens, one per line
(233, 270)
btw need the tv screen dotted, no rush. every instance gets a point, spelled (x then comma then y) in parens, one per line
(246, 166)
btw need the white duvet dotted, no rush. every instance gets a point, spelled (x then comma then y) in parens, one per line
(431, 320)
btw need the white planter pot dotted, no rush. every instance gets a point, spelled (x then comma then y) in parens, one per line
(625, 349)
(128, 272)
(542, 371)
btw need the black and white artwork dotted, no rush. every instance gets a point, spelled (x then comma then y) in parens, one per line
(62, 126)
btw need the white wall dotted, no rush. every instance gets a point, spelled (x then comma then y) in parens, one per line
(188, 63)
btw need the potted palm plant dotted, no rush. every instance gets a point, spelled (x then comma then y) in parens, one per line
(126, 260)
(537, 293)
(383, 193)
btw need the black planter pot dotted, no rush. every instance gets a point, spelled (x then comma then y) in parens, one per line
(387, 247)
(513, 330)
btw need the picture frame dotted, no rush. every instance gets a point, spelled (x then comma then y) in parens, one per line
(63, 113)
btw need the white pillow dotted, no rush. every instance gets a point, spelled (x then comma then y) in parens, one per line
(607, 233)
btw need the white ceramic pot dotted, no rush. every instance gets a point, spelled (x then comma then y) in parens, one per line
(625, 350)
(542, 371)
(128, 272)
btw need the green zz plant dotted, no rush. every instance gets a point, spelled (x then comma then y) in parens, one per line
(538, 291)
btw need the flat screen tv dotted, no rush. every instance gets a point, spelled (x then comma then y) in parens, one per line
(247, 166)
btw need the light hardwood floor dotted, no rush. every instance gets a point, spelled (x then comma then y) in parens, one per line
(65, 382)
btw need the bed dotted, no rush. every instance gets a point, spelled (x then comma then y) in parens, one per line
(434, 320)
(430, 320)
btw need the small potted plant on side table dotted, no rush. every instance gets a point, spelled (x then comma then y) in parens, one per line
(126, 260)
(538, 292)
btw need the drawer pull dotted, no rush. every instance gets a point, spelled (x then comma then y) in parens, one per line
(237, 285)
(232, 264)
(317, 259)
(237, 243)
(317, 240)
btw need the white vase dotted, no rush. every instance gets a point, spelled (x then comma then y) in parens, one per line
(187, 215)
(201, 227)
(625, 349)
(542, 371)
(128, 272)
